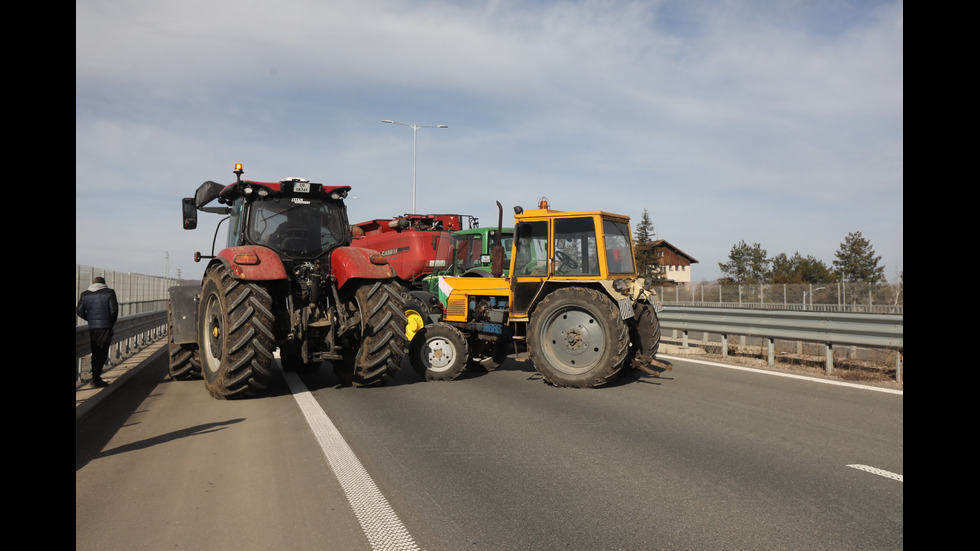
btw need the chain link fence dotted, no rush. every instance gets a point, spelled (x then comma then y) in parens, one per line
(876, 298)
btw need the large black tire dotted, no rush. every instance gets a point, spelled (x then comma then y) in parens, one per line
(439, 352)
(236, 339)
(383, 342)
(644, 330)
(185, 361)
(577, 338)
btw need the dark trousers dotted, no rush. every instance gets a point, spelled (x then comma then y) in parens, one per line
(101, 340)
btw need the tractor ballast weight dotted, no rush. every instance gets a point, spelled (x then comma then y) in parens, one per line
(287, 279)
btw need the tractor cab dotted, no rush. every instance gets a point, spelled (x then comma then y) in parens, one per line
(293, 217)
(551, 245)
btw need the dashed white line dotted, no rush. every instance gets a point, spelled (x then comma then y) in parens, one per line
(381, 525)
(879, 472)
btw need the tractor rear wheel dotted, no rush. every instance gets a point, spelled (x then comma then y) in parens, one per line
(236, 339)
(577, 338)
(439, 352)
(185, 362)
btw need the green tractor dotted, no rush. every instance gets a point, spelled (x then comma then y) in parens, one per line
(472, 254)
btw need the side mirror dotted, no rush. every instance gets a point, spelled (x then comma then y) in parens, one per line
(189, 212)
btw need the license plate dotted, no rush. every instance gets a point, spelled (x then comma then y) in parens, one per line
(301, 187)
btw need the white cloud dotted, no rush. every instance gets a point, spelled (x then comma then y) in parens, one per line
(728, 121)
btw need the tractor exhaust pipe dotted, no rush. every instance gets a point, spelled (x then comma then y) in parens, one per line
(497, 262)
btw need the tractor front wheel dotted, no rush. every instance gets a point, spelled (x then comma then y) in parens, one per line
(383, 341)
(439, 352)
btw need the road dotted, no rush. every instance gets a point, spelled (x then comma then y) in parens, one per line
(703, 457)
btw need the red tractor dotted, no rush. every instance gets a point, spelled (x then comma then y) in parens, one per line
(288, 279)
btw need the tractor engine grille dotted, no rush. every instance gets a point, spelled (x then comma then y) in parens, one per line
(457, 307)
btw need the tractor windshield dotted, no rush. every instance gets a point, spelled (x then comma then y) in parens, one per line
(295, 226)
(619, 251)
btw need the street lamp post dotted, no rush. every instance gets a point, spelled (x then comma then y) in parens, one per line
(415, 141)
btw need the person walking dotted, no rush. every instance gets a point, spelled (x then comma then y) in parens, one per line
(98, 306)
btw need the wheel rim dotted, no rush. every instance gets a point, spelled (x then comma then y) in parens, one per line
(439, 354)
(414, 325)
(213, 335)
(574, 339)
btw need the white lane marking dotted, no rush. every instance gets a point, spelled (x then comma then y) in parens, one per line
(381, 525)
(878, 472)
(780, 374)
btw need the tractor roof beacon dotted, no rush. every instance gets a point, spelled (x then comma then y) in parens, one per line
(287, 278)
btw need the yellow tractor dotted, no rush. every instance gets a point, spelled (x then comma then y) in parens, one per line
(571, 303)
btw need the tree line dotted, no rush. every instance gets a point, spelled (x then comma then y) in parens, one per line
(855, 262)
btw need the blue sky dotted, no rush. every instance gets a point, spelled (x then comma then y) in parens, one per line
(777, 123)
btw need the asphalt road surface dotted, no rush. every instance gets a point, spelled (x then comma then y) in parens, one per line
(704, 457)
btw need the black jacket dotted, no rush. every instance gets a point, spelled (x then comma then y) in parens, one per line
(98, 306)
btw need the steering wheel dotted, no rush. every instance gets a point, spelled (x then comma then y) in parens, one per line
(566, 261)
(293, 239)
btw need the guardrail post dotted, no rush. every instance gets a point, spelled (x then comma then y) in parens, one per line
(898, 365)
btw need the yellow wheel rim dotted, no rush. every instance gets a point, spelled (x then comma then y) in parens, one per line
(414, 325)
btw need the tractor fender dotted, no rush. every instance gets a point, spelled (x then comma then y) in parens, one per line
(356, 263)
(253, 263)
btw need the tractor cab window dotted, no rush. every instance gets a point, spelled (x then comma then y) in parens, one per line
(532, 249)
(468, 250)
(576, 252)
(235, 224)
(297, 226)
(506, 241)
(619, 252)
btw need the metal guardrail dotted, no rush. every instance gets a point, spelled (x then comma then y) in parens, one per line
(829, 328)
(132, 331)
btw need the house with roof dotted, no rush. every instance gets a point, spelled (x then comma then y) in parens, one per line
(675, 264)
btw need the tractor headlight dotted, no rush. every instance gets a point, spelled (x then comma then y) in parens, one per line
(622, 286)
